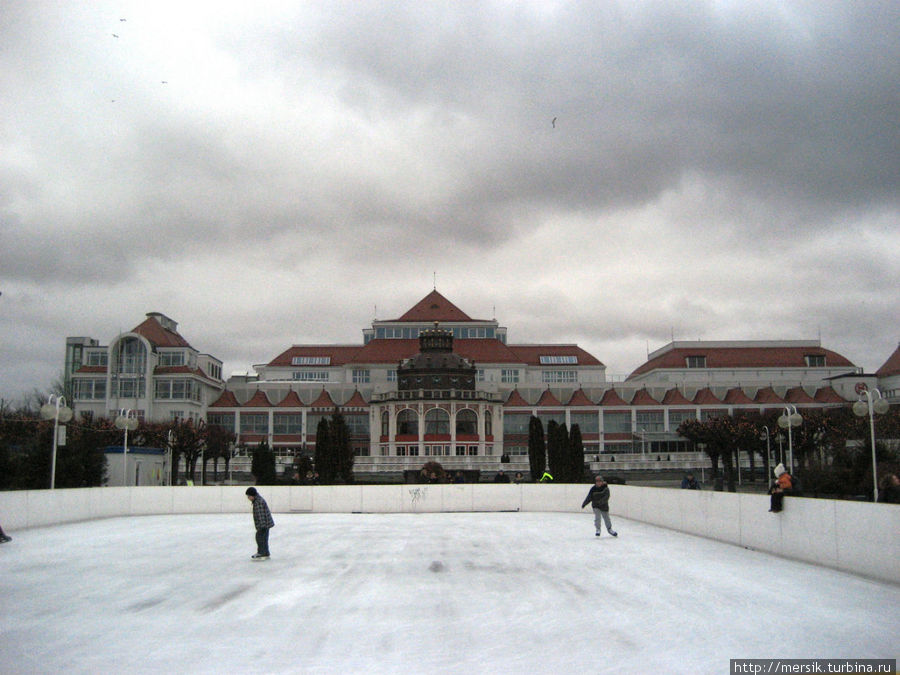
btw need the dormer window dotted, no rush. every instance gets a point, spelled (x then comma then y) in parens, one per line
(696, 361)
(815, 360)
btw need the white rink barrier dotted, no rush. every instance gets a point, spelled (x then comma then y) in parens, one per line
(857, 537)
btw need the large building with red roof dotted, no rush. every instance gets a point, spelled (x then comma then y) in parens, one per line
(396, 423)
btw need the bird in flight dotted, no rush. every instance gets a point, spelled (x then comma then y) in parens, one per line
(553, 122)
(114, 35)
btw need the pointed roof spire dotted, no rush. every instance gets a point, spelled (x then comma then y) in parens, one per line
(434, 307)
(548, 399)
(515, 399)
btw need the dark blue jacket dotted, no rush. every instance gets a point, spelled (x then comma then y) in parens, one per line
(598, 497)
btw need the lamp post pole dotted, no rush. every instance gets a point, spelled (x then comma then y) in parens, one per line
(768, 452)
(790, 418)
(871, 406)
(126, 420)
(56, 409)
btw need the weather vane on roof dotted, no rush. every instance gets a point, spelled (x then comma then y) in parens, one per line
(434, 280)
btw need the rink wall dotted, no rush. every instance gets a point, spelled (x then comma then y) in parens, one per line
(857, 537)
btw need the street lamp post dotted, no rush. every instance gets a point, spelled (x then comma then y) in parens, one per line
(790, 418)
(871, 406)
(127, 420)
(169, 444)
(55, 409)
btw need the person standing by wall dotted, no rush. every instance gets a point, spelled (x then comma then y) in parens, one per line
(689, 482)
(262, 519)
(598, 497)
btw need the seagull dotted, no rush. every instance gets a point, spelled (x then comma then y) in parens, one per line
(165, 82)
(114, 35)
(123, 19)
(553, 122)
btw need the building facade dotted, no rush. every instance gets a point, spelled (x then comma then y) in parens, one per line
(436, 383)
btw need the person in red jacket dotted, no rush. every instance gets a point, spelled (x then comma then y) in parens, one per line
(783, 485)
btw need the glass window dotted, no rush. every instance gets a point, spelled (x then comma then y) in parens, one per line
(588, 423)
(288, 423)
(408, 422)
(385, 423)
(696, 362)
(649, 420)
(676, 417)
(466, 422)
(488, 423)
(360, 376)
(558, 359)
(224, 420)
(97, 358)
(357, 425)
(311, 361)
(551, 376)
(171, 358)
(616, 422)
(437, 421)
(254, 423)
(509, 375)
(516, 424)
(311, 375)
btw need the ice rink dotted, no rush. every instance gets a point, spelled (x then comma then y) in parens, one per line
(402, 593)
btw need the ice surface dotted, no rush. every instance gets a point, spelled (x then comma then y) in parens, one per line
(447, 592)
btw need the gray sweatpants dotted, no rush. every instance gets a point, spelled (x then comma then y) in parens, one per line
(598, 514)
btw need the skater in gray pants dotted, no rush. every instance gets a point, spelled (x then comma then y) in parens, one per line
(598, 497)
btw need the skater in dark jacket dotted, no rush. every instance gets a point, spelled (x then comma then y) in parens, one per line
(4, 537)
(262, 519)
(598, 497)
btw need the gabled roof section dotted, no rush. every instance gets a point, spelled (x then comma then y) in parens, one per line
(736, 396)
(891, 366)
(226, 400)
(515, 400)
(159, 336)
(292, 400)
(828, 395)
(339, 355)
(434, 307)
(675, 397)
(579, 398)
(798, 395)
(611, 398)
(706, 397)
(258, 400)
(767, 395)
(324, 400)
(547, 400)
(643, 397)
(355, 401)
(719, 355)
(531, 354)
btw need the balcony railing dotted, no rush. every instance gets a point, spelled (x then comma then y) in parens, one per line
(438, 394)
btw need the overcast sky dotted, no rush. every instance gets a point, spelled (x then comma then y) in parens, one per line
(270, 173)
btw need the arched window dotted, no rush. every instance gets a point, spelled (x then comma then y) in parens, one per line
(407, 423)
(385, 423)
(437, 421)
(466, 422)
(130, 356)
(488, 423)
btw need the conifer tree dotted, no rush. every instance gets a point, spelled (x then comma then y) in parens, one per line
(340, 448)
(537, 451)
(576, 454)
(326, 466)
(262, 466)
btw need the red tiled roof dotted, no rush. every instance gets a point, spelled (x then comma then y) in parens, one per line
(798, 395)
(643, 397)
(356, 401)
(226, 400)
(828, 395)
(434, 307)
(547, 399)
(705, 397)
(767, 395)
(292, 400)
(675, 397)
(258, 400)
(324, 400)
(392, 351)
(579, 398)
(153, 330)
(339, 354)
(736, 396)
(891, 366)
(515, 399)
(742, 357)
(611, 397)
(531, 354)
(91, 369)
